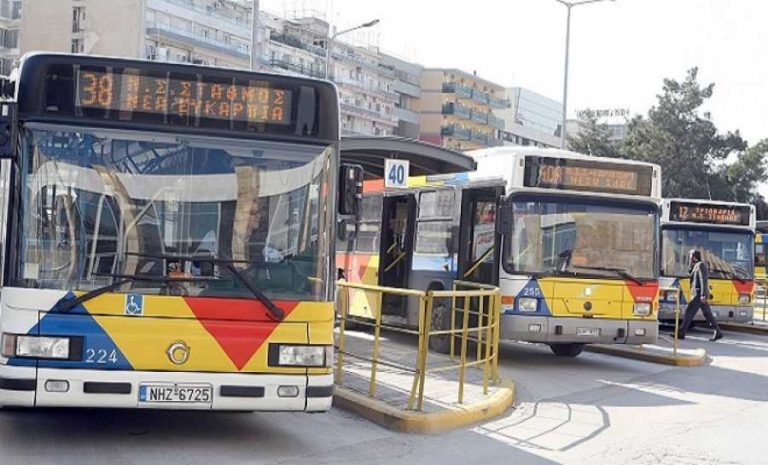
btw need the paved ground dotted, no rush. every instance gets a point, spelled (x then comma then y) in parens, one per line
(593, 410)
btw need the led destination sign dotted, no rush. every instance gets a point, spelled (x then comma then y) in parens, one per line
(688, 212)
(130, 91)
(587, 175)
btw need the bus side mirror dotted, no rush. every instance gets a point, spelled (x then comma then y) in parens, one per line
(350, 189)
(505, 219)
(7, 131)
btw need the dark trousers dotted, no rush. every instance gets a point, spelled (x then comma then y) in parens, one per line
(693, 307)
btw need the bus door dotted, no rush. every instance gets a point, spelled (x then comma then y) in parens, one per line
(479, 251)
(398, 217)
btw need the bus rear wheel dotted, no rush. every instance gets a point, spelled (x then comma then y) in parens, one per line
(566, 350)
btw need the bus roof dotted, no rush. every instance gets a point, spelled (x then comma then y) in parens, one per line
(508, 150)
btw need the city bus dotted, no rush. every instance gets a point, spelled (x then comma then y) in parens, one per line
(419, 238)
(578, 237)
(571, 241)
(167, 236)
(761, 257)
(724, 232)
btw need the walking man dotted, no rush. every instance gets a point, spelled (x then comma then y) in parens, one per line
(699, 296)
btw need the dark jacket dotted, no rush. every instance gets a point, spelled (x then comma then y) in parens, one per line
(700, 280)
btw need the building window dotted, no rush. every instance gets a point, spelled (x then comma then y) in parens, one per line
(78, 46)
(78, 19)
(9, 38)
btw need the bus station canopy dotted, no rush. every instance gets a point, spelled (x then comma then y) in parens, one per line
(425, 159)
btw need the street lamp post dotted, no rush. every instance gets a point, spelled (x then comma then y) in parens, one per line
(334, 36)
(569, 5)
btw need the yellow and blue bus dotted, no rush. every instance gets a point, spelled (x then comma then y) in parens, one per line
(167, 237)
(571, 240)
(724, 232)
(579, 238)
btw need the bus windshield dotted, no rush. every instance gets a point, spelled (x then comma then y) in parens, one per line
(581, 238)
(194, 213)
(728, 254)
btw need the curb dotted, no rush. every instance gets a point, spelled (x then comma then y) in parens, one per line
(406, 421)
(638, 354)
(745, 328)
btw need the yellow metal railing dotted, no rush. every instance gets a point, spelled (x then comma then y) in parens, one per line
(678, 297)
(480, 305)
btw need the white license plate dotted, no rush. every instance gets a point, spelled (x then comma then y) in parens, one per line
(200, 394)
(587, 331)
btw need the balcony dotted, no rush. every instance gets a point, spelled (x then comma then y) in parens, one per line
(499, 103)
(296, 68)
(189, 37)
(211, 14)
(295, 42)
(495, 121)
(460, 90)
(480, 97)
(453, 108)
(480, 116)
(349, 108)
(361, 87)
(479, 137)
(457, 132)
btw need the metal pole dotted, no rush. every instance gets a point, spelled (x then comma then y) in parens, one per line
(563, 135)
(254, 34)
(328, 56)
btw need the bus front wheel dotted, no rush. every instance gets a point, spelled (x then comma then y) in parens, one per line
(566, 350)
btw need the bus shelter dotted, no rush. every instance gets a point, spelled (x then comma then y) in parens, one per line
(370, 152)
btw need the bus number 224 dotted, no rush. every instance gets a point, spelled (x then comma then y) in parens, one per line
(101, 356)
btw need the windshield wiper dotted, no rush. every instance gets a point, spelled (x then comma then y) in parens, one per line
(619, 271)
(276, 312)
(67, 305)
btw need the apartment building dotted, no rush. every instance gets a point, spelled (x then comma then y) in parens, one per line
(531, 119)
(10, 23)
(407, 86)
(457, 109)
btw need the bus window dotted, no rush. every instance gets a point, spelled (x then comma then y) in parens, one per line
(368, 234)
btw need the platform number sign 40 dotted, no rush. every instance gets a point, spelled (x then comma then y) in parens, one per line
(396, 173)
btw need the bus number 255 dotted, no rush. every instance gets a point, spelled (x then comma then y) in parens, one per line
(101, 356)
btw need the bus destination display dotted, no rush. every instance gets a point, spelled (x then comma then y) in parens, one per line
(736, 215)
(583, 175)
(131, 92)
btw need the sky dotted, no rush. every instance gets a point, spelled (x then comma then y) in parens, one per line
(620, 50)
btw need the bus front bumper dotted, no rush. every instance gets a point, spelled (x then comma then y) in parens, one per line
(563, 330)
(21, 387)
(724, 313)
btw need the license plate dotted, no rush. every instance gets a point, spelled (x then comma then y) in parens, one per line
(201, 394)
(587, 331)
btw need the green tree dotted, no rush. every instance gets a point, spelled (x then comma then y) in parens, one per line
(697, 160)
(593, 138)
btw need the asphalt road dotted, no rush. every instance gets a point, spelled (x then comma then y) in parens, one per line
(594, 410)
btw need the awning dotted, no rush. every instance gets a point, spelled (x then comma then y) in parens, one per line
(425, 159)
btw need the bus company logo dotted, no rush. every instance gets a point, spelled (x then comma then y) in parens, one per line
(134, 304)
(178, 353)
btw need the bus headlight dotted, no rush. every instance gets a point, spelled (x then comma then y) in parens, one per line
(642, 309)
(301, 355)
(670, 296)
(56, 348)
(744, 299)
(527, 304)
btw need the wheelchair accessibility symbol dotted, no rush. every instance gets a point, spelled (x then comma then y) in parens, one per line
(134, 304)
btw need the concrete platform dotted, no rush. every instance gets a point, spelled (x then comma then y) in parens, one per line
(388, 407)
(662, 352)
